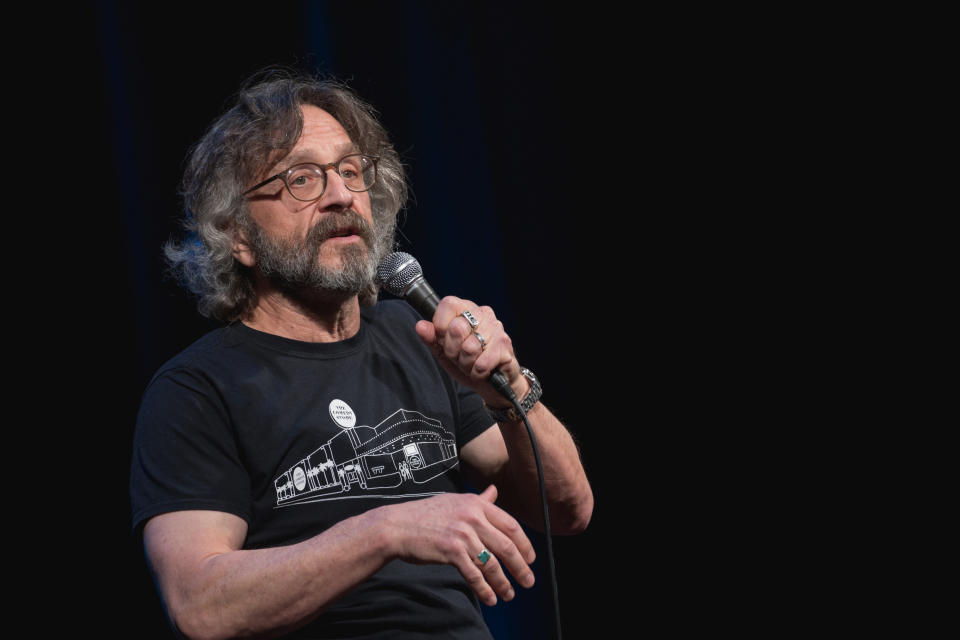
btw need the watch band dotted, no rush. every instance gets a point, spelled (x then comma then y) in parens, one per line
(533, 396)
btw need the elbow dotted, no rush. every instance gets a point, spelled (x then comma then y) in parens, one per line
(194, 623)
(576, 515)
(187, 627)
(582, 514)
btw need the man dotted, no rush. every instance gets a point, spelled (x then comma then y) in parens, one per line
(301, 469)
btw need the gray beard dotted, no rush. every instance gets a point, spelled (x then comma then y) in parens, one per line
(292, 264)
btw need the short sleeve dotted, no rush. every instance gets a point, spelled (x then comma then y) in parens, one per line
(185, 454)
(474, 418)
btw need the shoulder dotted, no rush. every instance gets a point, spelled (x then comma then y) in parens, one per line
(206, 356)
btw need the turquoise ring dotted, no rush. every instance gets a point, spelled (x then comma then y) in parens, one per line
(483, 556)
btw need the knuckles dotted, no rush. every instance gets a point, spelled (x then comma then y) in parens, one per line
(510, 527)
(458, 330)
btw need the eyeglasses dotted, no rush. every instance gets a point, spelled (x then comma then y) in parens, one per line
(308, 181)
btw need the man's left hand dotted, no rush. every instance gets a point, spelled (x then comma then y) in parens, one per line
(470, 343)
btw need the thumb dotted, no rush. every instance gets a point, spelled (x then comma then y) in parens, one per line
(426, 331)
(489, 494)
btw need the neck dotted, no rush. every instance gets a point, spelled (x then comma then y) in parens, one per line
(309, 317)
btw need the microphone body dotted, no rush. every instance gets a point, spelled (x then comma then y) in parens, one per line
(401, 275)
(422, 297)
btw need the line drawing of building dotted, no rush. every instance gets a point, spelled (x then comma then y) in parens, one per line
(407, 446)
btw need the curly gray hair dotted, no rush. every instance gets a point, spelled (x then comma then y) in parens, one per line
(263, 126)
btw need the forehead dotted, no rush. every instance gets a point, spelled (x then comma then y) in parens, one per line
(323, 138)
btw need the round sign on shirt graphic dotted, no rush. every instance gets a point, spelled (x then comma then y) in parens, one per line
(299, 478)
(342, 414)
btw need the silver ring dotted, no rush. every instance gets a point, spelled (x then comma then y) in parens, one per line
(474, 323)
(483, 343)
(483, 556)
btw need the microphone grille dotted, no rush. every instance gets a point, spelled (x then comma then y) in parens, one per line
(397, 271)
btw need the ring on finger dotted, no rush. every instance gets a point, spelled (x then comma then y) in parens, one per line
(483, 343)
(474, 323)
(483, 556)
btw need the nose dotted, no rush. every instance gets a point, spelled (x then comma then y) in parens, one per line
(336, 195)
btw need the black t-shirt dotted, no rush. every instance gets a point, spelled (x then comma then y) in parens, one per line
(294, 437)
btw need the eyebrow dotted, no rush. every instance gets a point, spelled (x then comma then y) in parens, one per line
(307, 155)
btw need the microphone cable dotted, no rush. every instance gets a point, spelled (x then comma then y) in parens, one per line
(507, 392)
(401, 275)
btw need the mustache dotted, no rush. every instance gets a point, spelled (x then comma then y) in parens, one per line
(348, 222)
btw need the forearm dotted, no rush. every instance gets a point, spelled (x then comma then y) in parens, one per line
(569, 496)
(265, 592)
(470, 343)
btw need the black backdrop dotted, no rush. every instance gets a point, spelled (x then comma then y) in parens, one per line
(676, 302)
(517, 127)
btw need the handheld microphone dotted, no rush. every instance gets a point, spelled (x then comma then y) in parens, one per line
(401, 275)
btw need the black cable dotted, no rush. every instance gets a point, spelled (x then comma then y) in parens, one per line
(546, 515)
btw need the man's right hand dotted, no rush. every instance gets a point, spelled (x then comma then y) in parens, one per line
(453, 529)
(212, 588)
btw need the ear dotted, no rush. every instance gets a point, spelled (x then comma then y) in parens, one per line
(242, 252)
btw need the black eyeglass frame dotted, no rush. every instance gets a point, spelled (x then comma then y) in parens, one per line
(323, 171)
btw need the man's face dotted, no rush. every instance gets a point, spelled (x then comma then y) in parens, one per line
(324, 244)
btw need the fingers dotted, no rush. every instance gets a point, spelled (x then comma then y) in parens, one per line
(495, 555)
(495, 578)
(489, 494)
(426, 331)
(478, 582)
(512, 539)
(509, 549)
(471, 337)
(511, 552)
(454, 529)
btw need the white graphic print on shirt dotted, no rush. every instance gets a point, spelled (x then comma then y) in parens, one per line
(406, 447)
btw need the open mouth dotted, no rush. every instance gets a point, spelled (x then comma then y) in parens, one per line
(349, 227)
(345, 232)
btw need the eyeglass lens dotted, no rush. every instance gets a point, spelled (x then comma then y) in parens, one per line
(307, 181)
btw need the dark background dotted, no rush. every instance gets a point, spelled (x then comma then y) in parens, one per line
(527, 134)
(661, 204)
